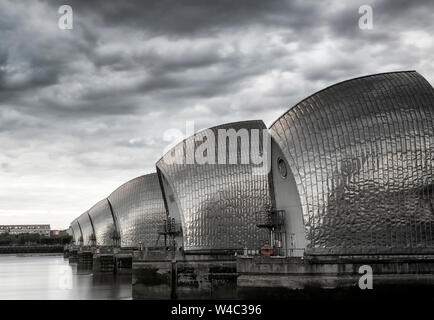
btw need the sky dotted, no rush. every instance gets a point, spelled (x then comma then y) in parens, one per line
(84, 110)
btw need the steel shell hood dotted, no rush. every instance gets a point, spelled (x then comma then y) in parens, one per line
(76, 232)
(103, 223)
(362, 155)
(220, 204)
(139, 210)
(86, 228)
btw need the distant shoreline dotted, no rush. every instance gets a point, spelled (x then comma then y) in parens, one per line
(32, 249)
(35, 254)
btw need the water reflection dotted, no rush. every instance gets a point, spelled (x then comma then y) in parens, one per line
(52, 277)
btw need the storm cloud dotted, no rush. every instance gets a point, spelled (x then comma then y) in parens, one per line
(84, 110)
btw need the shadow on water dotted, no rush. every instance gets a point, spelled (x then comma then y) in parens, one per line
(53, 277)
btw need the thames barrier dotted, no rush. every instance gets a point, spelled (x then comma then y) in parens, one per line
(345, 183)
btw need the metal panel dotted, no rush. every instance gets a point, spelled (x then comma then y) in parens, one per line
(220, 204)
(103, 223)
(86, 228)
(139, 210)
(362, 155)
(76, 231)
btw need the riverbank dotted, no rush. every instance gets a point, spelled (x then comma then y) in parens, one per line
(31, 249)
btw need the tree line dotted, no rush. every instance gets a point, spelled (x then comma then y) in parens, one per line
(7, 239)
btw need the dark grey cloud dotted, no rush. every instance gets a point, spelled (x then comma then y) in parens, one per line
(196, 17)
(84, 110)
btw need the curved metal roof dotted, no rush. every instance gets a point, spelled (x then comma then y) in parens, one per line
(220, 204)
(139, 210)
(76, 231)
(103, 223)
(362, 153)
(86, 228)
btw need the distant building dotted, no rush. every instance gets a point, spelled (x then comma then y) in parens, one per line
(42, 229)
(54, 232)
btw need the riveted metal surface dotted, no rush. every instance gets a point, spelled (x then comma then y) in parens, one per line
(76, 231)
(86, 228)
(220, 204)
(103, 223)
(362, 153)
(139, 209)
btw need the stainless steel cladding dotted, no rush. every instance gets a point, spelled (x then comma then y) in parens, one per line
(362, 154)
(86, 228)
(76, 231)
(220, 204)
(139, 210)
(103, 222)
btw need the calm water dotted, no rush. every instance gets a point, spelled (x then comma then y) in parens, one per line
(52, 277)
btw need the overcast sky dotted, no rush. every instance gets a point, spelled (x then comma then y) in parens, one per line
(84, 110)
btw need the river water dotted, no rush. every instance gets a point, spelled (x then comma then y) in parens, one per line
(52, 277)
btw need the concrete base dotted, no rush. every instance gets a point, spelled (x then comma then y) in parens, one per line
(73, 256)
(211, 279)
(103, 263)
(152, 280)
(272, 277)
(112, 261)
(123, 263)
(191, 277)
(85, 259)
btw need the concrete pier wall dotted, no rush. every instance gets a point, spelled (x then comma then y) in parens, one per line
(152, 280)
(101, 260)
(212, 279)
(339, 265)
(285, 277)
(85, 259)
(189, 277)
(103, 263)
(166, 274)
(73, 255)
(123, 263)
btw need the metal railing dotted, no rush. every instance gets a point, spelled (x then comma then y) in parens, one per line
(169, 227)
